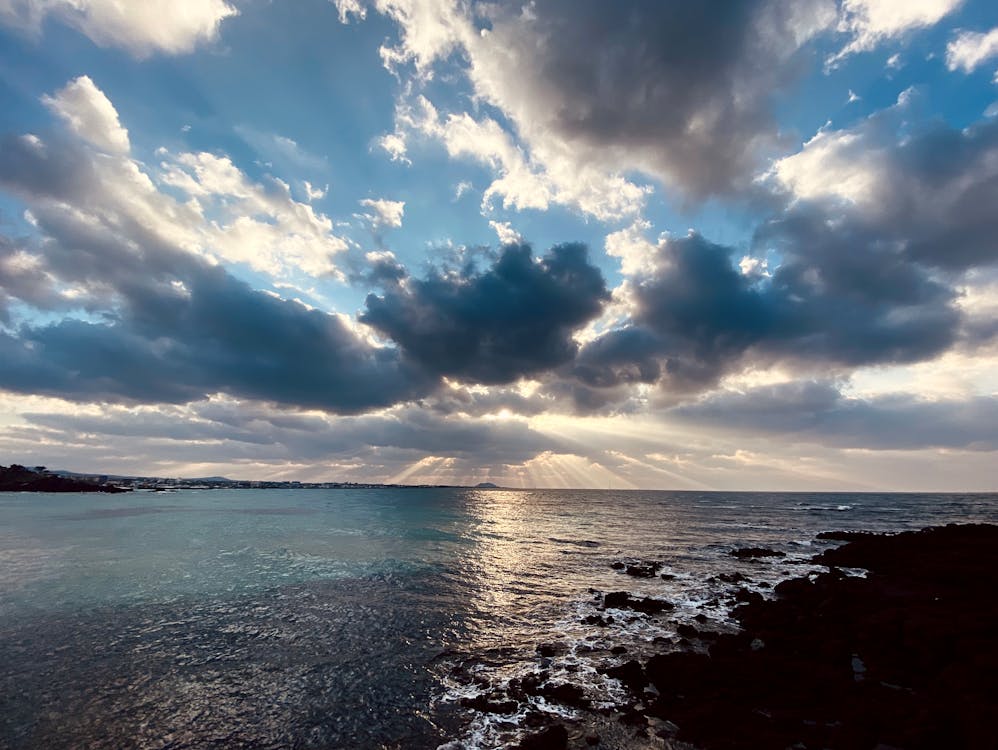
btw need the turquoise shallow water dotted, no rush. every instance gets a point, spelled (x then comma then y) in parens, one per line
(354, 618)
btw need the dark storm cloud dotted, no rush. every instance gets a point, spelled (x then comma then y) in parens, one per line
(681, 89)
(515, 319)
(696, 317)
(176, 345)
(171, 327)
(818, 412)
(933, 195)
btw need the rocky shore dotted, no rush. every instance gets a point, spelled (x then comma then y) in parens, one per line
(893, 646)
(17, 478)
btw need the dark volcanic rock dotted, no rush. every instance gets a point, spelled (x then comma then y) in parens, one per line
(648, 605)
(565, 693)
(744, 596)
(642, 570)
(687, 631)
(749, 552)
(638, 569)
(552, 738)
(487, 705)
(630, 673)
(732, 578)
(552, 649)
(560, 692)
(846, 536)
(905, 657)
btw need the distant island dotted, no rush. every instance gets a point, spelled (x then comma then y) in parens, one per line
(17, 478)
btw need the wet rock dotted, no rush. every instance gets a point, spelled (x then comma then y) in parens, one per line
(565, 693)
(735, 577)
(745, 596)
(633, 718)
(537, 684)
(487, 705)
(592, 740)
(750, 552)
(846, 536)
(551, 738)
(642, 570)
(617, 650)
(534, 719)
(576, 542)
(648, 605)
(631, 673)
(616, 599)
(667, 576)
(552, 649)
(687, 631)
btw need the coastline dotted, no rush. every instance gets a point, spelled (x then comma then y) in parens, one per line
(892, 647)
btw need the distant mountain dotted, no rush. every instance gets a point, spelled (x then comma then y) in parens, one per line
(486, 486)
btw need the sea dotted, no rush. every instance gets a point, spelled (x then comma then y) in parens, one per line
(370, 618)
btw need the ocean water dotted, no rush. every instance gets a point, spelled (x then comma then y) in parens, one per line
(360, 618)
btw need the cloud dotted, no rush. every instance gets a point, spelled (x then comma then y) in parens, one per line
(592, 90)
(510, 321)
(223, 430)
(143, 28)
(90, 114)
(154, 318)
(179, 329)
(930, 191)
(832, 303)
(505, 232)
(817, 412)
(383, 213)
(971, 49)
(870, 23)
(195, 200)
(522, 180)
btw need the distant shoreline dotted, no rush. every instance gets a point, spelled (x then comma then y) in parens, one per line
(17, 478)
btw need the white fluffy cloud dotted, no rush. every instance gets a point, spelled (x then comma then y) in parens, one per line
(524, 179)
(971, 49)
(196, 202)
(90, 114)
(872, 22)
(580, 116)
(143, 27)
(505, 232)
(383, 213)
(833, 164)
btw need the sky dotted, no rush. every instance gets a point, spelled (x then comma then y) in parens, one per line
(561, 243)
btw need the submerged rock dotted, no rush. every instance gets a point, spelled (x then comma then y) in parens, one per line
(648, 605)
(750, 552)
